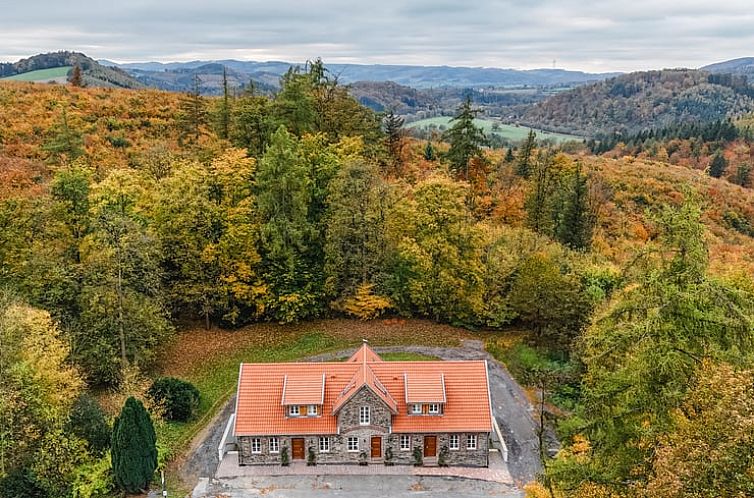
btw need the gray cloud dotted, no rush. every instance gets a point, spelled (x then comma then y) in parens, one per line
(591, 35)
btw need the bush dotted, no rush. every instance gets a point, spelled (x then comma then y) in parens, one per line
(418, 458)
(87, 421)
(389, 457)
(21, 484)
(284, 459)
(442, 459)
(177, 397)
(311, 459)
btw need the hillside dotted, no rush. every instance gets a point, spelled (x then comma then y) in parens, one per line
(643, 100)
(57, 65)
(210, 78)
(743, 66)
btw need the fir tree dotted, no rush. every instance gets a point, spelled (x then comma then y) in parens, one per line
(575, 223)
(224, 111)
(718, 166)
(393, 126)
(465, 138)
(429, 152)
(64, 142)
(134, 448)
(509, 157)
(523, 164)
(192, 115)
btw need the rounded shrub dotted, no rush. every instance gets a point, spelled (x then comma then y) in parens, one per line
(178, 397)
(88, 422)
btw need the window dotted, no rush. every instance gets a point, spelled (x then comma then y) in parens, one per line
(471, 442)
(416, 409)
(353, 443)
(256, 445)
(324, 444)
(454, 442)
(434, 408)
(311, 410)
(293, 411)
(364, 415)
(405, 442)
(274, 445)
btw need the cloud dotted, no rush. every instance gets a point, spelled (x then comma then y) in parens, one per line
(579, 34)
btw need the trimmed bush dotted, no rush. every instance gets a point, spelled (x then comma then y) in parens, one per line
(418, 457)
(133, 447)
(87, 421)
(178, 397)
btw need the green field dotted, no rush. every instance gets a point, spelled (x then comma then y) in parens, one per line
(41, 74)
(508, 132)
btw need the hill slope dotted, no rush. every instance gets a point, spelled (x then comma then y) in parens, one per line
(637, 101)
(743, 66)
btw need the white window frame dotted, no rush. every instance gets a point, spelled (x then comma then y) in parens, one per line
(352, 448)
(454, 442)
(294, 411)
(416, 409)
(274, 444)
(365, 415)
(311, 410)
(433, 409)
(471, 442)
(407, 440)
(324, 445)
(256, 445)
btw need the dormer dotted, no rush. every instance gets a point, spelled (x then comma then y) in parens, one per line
(425, 394)
(303, 395)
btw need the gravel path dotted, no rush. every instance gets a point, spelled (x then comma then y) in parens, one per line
(512, 410)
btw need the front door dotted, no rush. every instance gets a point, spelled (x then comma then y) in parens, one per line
(376, 446)
(430, 446)
(297, 443)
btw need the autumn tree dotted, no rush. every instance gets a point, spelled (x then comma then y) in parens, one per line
(717, 166)
(192, 114)
(76, 79)
(64, 143)
(465, 138)
(525, 158)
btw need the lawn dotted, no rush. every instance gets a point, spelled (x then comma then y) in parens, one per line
(509, 132)
(41, 74)
(210, 359)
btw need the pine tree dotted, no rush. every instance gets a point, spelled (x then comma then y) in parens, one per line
(523, 164)
(539, 203)
(77, 78)
(429, 152)
(575, 222)
(509, 157)
(224, 111)
(393, 126)
(134, 448)
(64, 142)
(718, 166)
(192, 115)
(465, 138)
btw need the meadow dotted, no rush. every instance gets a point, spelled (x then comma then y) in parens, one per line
(508, 132)
(41, 74)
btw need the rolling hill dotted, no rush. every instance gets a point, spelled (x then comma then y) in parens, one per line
(642, 100)
(743, 66)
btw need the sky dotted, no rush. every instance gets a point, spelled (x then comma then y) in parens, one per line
(595, 36)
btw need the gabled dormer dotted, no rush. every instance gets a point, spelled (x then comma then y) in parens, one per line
(425, 393)
(303, 395)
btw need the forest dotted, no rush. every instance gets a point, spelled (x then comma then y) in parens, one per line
(127, 214)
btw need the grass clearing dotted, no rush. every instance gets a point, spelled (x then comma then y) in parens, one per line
(509, 132)
(41, 74)
(407, 356)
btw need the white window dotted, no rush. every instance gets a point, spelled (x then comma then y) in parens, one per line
(353, 443)
(293, 411)
(364, 415)
(434, 408)
(416, 409)
(274, 445)
(311, 410)
(324, 445)
(454, 442)
(471, 442)
(405, 442)
(256, 445)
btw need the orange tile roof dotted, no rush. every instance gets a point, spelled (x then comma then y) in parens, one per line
(425, 388)
(303, 389)
(259, 410)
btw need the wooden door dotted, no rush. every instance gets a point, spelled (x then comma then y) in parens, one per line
(297, 443)
(376, 446)
(430, 446)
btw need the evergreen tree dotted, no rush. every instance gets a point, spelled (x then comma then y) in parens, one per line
(743, 175)
(192, 114)
(252, 123)
(224, 109)
(524, 161)
(718, 166)
(134, 448)
(429, 152)
(575, 222)
(509, 157)
(393, 126)
(465, 138)
(64, 143)
(539, 203)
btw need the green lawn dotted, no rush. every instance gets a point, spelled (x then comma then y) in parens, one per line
(407, 356)
(506, 131)
(41, 74)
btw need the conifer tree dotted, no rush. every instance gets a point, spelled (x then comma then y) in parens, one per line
(193, 114)
(393, 126)
(539, 203)
(465, 138)
(134, 448)
(575, 222)
(429, 152)
(718, 166)
(509, 157)
(524, 162)
(224, 111)
(64, 143)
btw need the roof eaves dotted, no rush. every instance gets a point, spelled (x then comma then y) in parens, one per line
(238, 396)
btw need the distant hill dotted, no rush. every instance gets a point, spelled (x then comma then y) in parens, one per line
(643, 100)
(210, 79)
(743, 66)
(414, 76)
(56, 66)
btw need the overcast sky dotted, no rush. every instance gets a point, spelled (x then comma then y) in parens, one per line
(601, 35)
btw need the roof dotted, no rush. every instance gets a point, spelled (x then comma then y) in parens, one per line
(303, 389)
(259, 410)
(425, 388)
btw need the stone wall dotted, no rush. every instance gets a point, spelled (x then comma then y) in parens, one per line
(348, 416)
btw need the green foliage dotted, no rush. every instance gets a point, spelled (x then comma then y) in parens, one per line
(525, 155)
(252, 124)
(465, 138)
(575, 220)
(192, 116)
(87, 421)
(442, 457)
(134, 450)
(64, 143)
(94, 479)
(20, 483)
(55, 463)
(284, 458)
(429, 152)
(311, 457)
(540, 203)
(717, 166)
(294, 106)
(418, 457)
(389, 457)
(176, 397)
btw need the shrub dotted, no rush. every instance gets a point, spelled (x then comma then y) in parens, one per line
(389, 456)
(418, 458)
(442, 458)
(134, 448)
(311, 458)
(363, 458)
(87, 421)
(177, 397)
(284, 459)
(21, 484)
(94, 479)
(364, 304)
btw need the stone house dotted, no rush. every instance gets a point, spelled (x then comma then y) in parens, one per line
(364, 411)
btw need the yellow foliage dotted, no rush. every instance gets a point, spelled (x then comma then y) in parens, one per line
(364, 304)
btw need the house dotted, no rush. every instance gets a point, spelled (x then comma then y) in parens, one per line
(364, 410)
